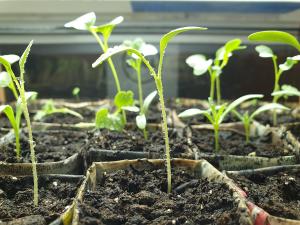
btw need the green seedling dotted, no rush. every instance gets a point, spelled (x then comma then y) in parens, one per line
(247, 119)
(136, 63)
(216, 114)
(50, 109)
(87, 22)
(141, 119)
(214, 67)
(157, 76)
(115, 121)
(75, 92)
(286, 91)
(19, 83)
(15, 119)
(266, 52)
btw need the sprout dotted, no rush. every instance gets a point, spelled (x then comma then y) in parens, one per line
(19, 83)
(266, 52)
(216, 113)
(157, 76)
(247, 118)
(75, 92)
(201, 65)
(50, 109)
(115, 120)
(135, 62)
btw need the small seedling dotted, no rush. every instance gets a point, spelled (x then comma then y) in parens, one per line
(15, 119)
(216, 113)
(247, 119)
(50, 109)
(87, 22)
(286, 91)
(136, 63)
(266, 52)
(141, 119)
(157, 76)
(201, 65)
(19, 83)
(114, 121)
(75, 92)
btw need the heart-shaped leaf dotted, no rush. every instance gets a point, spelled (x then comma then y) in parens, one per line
(124, 98)
(264, 51)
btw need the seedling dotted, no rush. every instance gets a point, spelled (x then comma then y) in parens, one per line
(247, 119)
(286, 91)
(266, 52)
(75, 92)
(141, 119)
(214, 67)
(87, 22)
(115, 121)
(216, 114)
(135, 62)
(19, 82)
(157, 76)
(15, 119)
(50, 109)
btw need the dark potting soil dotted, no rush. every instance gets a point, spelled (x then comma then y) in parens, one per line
(16, 197)
(133, 140)
(232, 143)
(139, 197)
(278, 194)
(51, 146)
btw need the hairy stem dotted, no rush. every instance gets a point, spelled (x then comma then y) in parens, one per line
(159, 87)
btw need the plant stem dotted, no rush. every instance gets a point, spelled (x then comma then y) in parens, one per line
(218, 90)
(212, 85)
(159, 87)
(247, 130)
(140, 89)
(216, 132)
(145, 134)
(276, 87)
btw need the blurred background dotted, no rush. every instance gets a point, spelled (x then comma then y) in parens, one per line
(61, 58)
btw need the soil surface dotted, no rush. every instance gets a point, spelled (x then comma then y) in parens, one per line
(51, 146)
(16, 197)
(278, 194)
(133, 140)
(139, 197)
(234, 144)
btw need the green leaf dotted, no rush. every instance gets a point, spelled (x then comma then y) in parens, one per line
(267, 107)
(148, 100)
(199, 64)
(75, 91)
(131, 108)
(264, 51)
(11, 59)
(109, 53)
(124, 98)
(107, 28)
(169, 36)
(276, 37)
(141, 121)
(287, 90)
(288, 64)
(83, 22)
(191, 112)
(105, 120)
(9, 112)
(24, 57)
(237, 102)
(232, 45)
(5, 79)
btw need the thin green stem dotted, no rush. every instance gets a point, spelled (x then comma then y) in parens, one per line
(212, 85)
(277, 73)
(140, 89)
(218, 87)
(145, 134)
(159, 87)
(216, 132)
(247, 130)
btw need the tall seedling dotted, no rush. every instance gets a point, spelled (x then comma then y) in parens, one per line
(274, 36)
(214, 67)
(157, 76)
(19, 82)
(87, 22)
